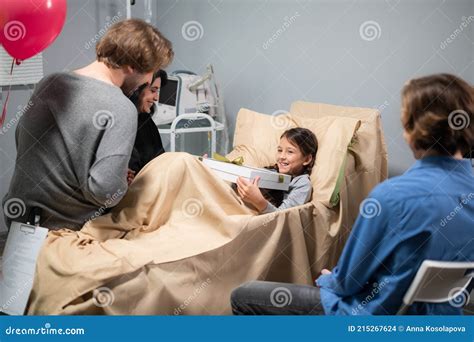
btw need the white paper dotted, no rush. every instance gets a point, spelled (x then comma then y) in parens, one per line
(18, 266)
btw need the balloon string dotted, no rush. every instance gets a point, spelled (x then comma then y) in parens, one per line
(5, 105)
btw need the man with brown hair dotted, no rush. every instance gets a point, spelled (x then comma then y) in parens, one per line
(75, 141)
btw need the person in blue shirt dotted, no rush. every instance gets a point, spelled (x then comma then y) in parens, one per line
(426, 213)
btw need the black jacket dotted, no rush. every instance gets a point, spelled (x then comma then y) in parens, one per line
(148, 143)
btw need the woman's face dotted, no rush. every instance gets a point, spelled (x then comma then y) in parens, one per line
(290, 159)
(149, 96)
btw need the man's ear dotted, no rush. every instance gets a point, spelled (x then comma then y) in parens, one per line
(127, 69)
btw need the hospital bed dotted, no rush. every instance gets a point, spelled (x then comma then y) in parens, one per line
(188, 264)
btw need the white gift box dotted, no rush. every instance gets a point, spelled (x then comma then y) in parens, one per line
(230, 172)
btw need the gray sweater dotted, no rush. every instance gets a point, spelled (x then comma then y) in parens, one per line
(73, 147)
(298, 194)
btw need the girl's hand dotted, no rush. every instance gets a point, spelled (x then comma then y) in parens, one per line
(250, 193)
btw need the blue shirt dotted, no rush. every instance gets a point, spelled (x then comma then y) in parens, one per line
(426, 213)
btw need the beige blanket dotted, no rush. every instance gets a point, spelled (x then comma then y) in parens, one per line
(181, 239)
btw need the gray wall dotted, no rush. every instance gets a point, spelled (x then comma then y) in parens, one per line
(317, 53)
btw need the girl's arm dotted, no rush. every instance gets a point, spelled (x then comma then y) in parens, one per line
(299, 194)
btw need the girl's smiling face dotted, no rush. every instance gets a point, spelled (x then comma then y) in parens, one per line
(290, 159)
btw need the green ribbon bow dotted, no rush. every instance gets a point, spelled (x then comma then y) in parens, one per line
(237, 161)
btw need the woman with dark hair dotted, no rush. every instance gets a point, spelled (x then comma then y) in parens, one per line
(148, 143)
(426, 213)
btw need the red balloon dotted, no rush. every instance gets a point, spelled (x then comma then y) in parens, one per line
(27, 27)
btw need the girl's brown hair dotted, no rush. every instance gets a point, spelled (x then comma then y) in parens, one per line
(134, 43)
(306, 142)
(437, 114)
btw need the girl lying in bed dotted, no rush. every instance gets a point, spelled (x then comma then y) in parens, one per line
(296, 154)
(174, 203)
